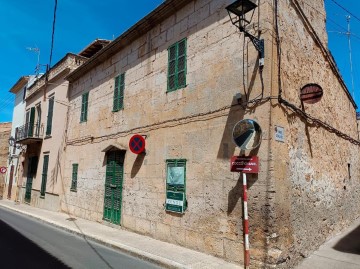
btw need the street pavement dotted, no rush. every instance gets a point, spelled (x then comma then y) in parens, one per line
(157, 252)
(340, 252)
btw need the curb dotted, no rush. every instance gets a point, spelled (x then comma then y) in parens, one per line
(134, 252)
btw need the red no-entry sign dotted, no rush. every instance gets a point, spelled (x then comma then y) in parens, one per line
(137, 144)
(248, 164)
(3, 170)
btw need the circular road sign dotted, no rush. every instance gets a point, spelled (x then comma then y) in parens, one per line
(3, 170)
(137, 144)
(247, 134)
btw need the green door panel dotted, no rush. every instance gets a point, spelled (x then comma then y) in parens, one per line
(113, 186)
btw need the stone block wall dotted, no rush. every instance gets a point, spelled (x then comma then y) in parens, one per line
(194, 123)
(316, 170)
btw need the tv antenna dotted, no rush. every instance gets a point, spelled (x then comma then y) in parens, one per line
(348, 34)
(38, 65)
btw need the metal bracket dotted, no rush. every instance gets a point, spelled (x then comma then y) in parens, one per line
(259, 44)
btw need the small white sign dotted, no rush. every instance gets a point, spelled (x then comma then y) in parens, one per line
(174, 202)
(279, 134)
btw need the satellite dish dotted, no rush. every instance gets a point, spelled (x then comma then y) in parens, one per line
(247, 134)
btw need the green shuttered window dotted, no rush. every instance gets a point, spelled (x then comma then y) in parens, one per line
(119, 92)
(75, 168)
(177, 66)
(50, 116)
(44, 175)
(84, 107)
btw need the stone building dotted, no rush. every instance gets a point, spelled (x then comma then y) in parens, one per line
(5, 129)
(44, 132)
(175, 78)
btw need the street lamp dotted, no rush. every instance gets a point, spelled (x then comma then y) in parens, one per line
(239, 8)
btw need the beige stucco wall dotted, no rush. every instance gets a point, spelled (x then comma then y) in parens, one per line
(50, 145)
(302, 182)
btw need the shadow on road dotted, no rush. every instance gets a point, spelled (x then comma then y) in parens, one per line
(18, 251)
(350, 243)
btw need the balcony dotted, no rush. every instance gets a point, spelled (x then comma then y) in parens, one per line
(29, 133)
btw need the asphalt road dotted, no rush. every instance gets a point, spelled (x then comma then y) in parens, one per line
(29, 243)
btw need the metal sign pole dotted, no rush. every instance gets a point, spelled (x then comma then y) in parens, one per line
(246, 225)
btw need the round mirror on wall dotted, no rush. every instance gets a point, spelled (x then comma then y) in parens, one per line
(247, 134)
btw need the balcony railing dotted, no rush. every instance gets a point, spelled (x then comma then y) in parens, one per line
(28, 132)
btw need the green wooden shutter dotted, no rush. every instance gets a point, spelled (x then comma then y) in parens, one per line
(44, 175)
(50, 116)
(119, 92)
(172, 68)
(117, 192)
(181, 64)
(31, 122)
(75, 167)
(116, 94)
(177, 66)
(84, 107)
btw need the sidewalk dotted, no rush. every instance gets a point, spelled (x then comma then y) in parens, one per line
(158, 252)
(340, 252)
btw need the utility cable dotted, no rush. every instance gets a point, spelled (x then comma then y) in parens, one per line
(308, 118)
(53, 34)
(345, 9)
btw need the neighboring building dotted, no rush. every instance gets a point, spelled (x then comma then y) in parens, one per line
(44, 132)
(5, 129)
(14, 172)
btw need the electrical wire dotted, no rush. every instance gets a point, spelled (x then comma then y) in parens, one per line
(345, 9)
(307, 117)
(53, 34)
(330, 20)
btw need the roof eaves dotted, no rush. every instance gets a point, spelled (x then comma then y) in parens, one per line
(22, 81)
(158, 15)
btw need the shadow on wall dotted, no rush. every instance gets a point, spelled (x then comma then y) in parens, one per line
(227, 146)
(350, 243)
(137, 164)
(237, 191)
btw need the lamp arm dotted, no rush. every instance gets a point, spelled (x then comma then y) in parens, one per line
(258, 43)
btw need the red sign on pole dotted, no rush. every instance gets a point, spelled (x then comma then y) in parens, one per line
(3, 170)
(137, 144)
(248, 164)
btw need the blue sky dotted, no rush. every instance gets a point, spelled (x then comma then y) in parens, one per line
(28, 24)
(336, 26)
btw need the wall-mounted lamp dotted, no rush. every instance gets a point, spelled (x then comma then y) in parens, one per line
(11, 141)
(239, 8)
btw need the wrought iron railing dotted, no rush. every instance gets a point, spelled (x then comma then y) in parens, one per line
(28, 130)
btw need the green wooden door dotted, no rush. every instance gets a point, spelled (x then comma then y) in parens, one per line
(31, 122)
(31, 169)
(113, 186)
